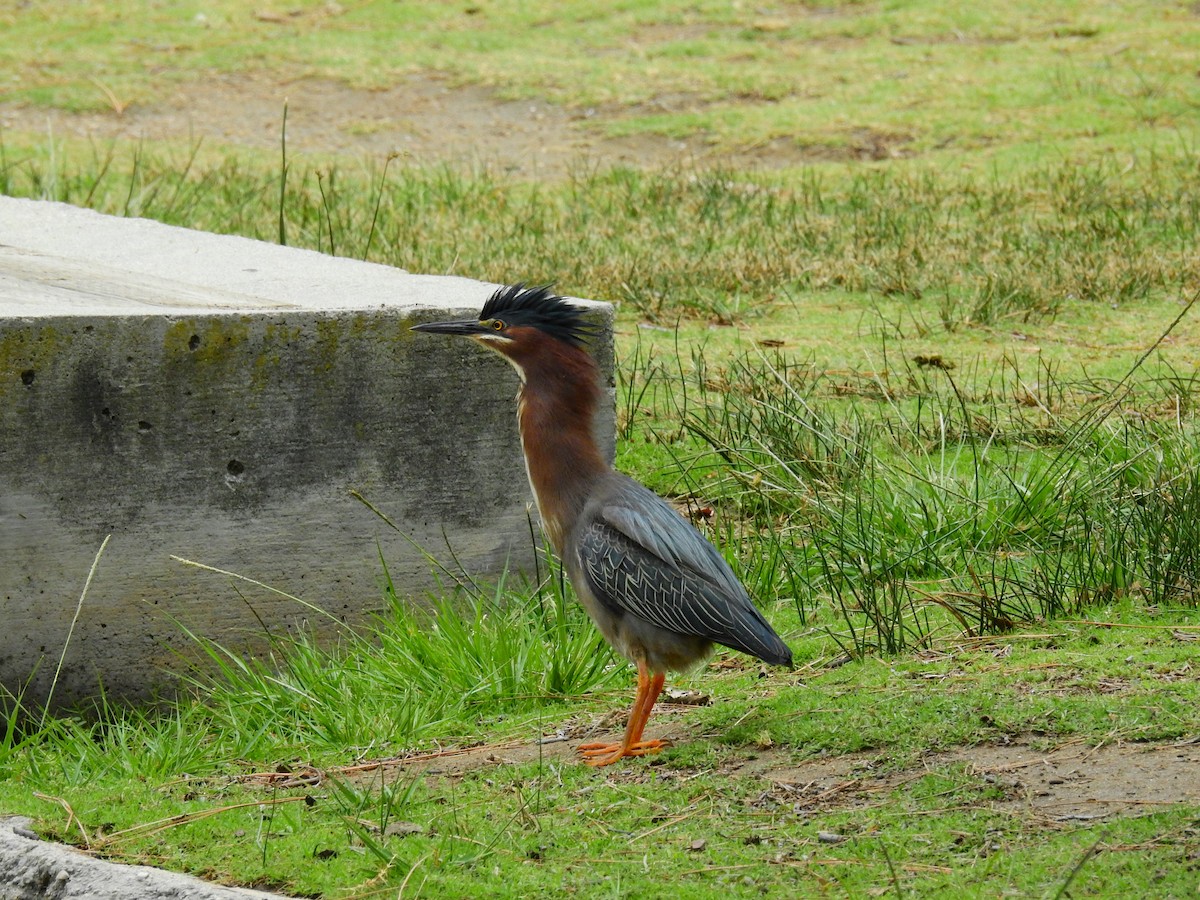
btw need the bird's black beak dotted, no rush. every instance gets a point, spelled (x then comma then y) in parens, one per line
(468, 327)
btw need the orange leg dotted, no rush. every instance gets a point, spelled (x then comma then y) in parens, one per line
(649, 687)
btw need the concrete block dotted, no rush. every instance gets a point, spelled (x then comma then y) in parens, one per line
(218, 398)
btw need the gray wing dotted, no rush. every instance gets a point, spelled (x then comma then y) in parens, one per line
(641, 557)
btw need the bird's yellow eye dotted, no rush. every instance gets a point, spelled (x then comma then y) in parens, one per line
(497, 325)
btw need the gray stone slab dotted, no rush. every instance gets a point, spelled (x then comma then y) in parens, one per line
(93, 264)
(32, 869)
(217, 399)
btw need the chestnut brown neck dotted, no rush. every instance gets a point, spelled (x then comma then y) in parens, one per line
(560, 390)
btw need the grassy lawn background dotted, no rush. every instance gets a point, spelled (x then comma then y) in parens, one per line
(901, 365)
(1018, 80)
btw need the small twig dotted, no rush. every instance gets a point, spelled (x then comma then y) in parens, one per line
(1128, 625)
(409, 874)
(925, 867)
(314, 775)
(835, 861)
(148, 828)
(1099, 746)
(71, 817)
(118, 106)
(701, 871)
(836, 789)
(675, 820)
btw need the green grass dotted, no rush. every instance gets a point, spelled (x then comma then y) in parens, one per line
(964, 492)
(706, 244)
(836, 80)
(416, 674)
(911, 390)
(191, 789)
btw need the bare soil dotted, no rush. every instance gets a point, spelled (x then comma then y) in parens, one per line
(1060, 784)
(422, 120)
(1070, 782)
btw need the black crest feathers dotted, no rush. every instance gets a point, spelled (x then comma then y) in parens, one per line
(539, 307)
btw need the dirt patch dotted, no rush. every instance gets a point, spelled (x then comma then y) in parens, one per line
(668, 723)
(422, 120)
(1073, 782)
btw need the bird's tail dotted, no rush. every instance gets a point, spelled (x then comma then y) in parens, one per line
(754, 635)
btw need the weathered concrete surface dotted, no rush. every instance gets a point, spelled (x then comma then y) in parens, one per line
(31, 869)
(217, 399)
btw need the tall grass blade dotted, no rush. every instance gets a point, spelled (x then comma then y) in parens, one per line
(71, 630)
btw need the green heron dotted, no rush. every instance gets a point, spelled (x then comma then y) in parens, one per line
(658, 591)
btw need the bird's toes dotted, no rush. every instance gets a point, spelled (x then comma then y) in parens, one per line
(642, 748)
(595, 750)
(597, 762)
(600, 754)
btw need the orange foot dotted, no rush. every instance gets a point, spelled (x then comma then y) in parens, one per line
(606, 754)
